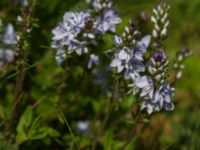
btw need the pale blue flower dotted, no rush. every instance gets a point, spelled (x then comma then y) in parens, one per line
(6, 56)
(9, 36)
(9, 39)
(108, 21)
(166, 92)
(83, 126)
(67, 34)
(94, 59)
(159, 99)
(121, 59)
(79, 47)
(145, 85)
(130, 59)
(73, 23)
(150, 106)
(76, 20)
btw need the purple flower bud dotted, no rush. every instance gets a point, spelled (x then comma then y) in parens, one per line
(185, 52)
(158, 65)
(159, 57)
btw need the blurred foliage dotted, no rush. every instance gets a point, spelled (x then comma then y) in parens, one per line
(55, 100)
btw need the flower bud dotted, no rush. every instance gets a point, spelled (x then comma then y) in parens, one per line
(158, 65)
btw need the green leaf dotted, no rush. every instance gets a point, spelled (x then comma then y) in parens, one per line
(42, 133)
(53, 133)
(117, 144)
(108, 140)
(25, 119)
(38, 133)
(131, 145)
(24, 124)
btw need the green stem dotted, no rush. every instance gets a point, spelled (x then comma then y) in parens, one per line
(69, 128)
(133, 131)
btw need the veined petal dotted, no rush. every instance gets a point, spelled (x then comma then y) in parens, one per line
(59, 36)
(145, 41)
(115, 63)
(141, 81)
(119, 69)
(157, 97)
(143, 105)
(168, 106)
(123, 54)
(167, 98)
(118, 40)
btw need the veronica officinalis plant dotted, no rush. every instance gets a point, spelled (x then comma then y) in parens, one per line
(143, 62)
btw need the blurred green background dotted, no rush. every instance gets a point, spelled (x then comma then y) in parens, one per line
(52, 91)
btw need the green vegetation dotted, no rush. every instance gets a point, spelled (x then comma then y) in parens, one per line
(52, 101)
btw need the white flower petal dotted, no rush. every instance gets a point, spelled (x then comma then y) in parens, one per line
(115, 63)
(143, 105)
(123, 55)
(146, 40)
(145, 91)
(119, 69)
(149, 109)
(141, 82)
(118, 40)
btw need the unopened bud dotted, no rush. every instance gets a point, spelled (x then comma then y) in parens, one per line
(163, 32)
(155, 34)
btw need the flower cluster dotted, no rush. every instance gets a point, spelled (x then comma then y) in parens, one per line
(8, 40)
(78, 30)
(70, 29)
(161, 22)
(100, 5)
(107, 18)
(153, 87)
(129, 53)
(178, 64)
(143, 61)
